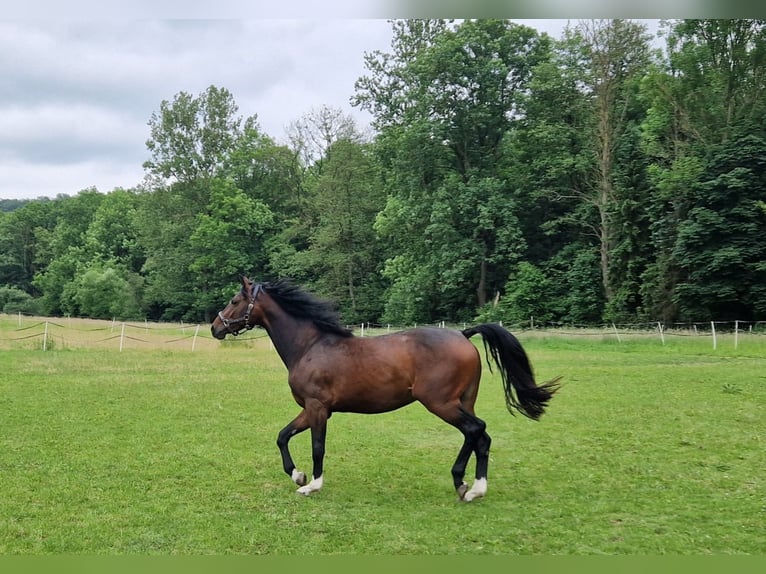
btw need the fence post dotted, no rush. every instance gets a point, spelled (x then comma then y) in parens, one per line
(616, 333)
(122, 336)
(45, 337)
(194, 340)
(736, 333)
(712, 327)
(662, 335)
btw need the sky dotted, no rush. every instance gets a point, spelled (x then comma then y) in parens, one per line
(76, 95)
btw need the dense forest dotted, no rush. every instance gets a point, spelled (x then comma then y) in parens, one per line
(606, 175)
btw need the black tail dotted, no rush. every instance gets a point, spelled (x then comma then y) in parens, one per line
(521, 391)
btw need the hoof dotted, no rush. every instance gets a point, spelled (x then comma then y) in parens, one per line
(461, 490)
(314, 486)
(478, 490)
(299, 478)
(471, 495)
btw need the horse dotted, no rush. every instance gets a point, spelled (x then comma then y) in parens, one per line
(332, 370)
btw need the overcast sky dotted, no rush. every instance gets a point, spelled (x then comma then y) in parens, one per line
(76, 96)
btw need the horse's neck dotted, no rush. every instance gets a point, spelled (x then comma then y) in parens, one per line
(291, 337)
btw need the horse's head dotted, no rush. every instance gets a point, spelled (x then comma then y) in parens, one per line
(237, 316)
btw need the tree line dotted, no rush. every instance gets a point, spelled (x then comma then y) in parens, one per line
(594, 177)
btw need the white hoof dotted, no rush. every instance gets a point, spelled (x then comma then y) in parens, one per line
(299, 478)
(478, 490)
(314, 486)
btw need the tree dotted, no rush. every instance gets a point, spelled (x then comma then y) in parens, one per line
(721, 243)
(312, 135)
(227, 241)
(266, 171)
(706, 102)
(112, 234)
(526, 298)
(102, 292)
(14, 300)
(61, 250)
(196, 143)
(20, 249)
(190, 137)
(343, 257)
(444, 101)
(616, 54)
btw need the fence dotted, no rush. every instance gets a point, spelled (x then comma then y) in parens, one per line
(715, 331)
(46, 333)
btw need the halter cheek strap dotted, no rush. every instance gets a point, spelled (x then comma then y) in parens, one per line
(244, 318)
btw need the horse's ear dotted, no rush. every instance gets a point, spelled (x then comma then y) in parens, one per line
(244, 280)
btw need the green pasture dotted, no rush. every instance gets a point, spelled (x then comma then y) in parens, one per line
(647, 449)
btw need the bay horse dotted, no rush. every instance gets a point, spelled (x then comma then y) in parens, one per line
(331, 370)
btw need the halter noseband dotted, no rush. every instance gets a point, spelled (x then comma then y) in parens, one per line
(244, 318)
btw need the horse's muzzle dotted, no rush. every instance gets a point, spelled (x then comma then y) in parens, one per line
(219, 332)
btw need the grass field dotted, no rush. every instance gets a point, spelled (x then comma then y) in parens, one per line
(647, 449)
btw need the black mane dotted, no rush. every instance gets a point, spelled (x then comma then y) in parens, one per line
(301, 304)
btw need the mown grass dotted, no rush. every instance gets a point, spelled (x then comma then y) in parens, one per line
(647, 449)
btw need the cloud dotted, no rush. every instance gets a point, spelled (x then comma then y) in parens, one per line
(77, 95)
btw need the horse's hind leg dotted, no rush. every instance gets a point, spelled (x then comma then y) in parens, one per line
(481, 448)
(476, 440)
(481, 443)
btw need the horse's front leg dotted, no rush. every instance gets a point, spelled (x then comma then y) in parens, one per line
(317, 415)
(297, 425)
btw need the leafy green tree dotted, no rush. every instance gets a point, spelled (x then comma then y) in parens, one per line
(707, 101)
(61, 251)
(548, 157)
(165, 223)
(113, 232)
(226, 242)
(615, 56)
(102, 293)
(579, 169)
(191, 137)
(54, 282)
(343, 256)
(526, 298)
(444, 100)
(721, 243)
(19, 246)
(194, 142)
(14, 300)
(580, 298)
(266, 171)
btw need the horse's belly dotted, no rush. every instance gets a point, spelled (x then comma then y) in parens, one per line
(373, 403)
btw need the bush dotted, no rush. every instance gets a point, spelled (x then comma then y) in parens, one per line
(528, 294)
(103, 293)
(14, 300)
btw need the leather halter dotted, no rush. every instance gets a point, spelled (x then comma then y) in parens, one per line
(245, 319)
